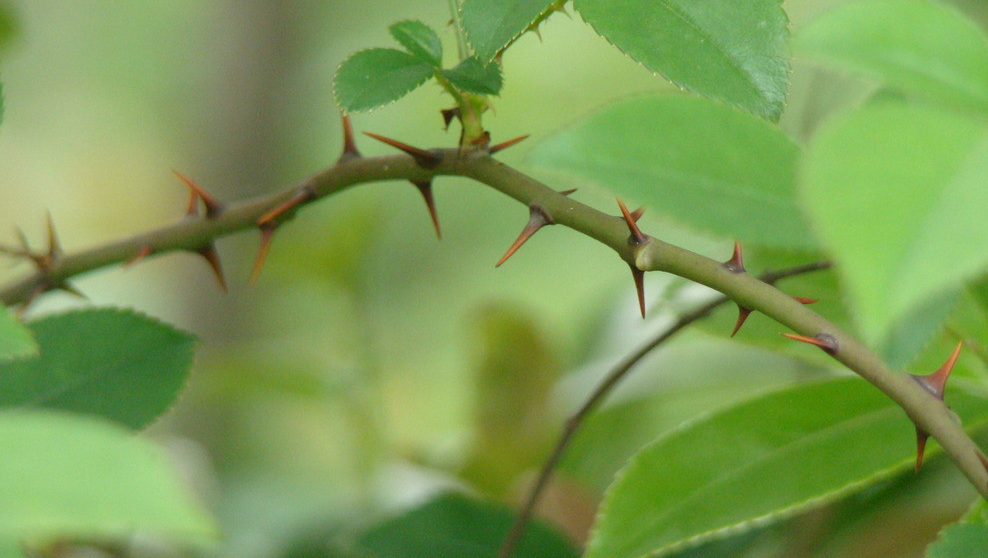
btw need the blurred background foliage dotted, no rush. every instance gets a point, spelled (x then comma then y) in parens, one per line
(372, 365)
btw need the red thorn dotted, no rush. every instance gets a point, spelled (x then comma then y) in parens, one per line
(804, 300)
(736, 263)
(636, 233)
(267, 234)
(637, 214)
(213, 207)
(144, 252)
(537, 219)
(639, 277)
(822, 340)
(349, 144)
(213, 258)
(301, 196)
(449, 115)
(424, 159)
(743, 314)
(425, 187)
(502, 146)
(921, 438)
(937, 381)
(192, 208)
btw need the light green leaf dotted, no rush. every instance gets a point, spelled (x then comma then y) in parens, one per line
(697, 161)
(897, 195)
(472, 76)
(113, 363)
(733, 50)
(15, 339)
(491, 24)
(69, 476)
(375, 77)
(761, 461)
(455, 526)
(420, 40)
(965, 539)
(924, 48)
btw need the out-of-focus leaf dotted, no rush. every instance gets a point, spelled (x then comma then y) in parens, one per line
(375, 77)
(15, 339)
(965, 539)
(114, 363)
(419, 39)
(758, 462)
(472, 76)
(897, 195)
(733, 50)
(491, 24)
(920, 47)
(698, 161)
(455, 526)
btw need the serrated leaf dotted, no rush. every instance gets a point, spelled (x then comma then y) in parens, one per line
(15, 339)
(375, 77)
(733, 50)
(761, 461)
(455, 526)
(923, 48)
(420, 40)
(700, 162)
(472, 76)
(896, 193)
(113, 363)
(75, 477)
(964, 539)
(491, 24)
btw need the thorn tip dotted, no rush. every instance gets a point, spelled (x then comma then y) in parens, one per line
(423, 158)
(537, 219)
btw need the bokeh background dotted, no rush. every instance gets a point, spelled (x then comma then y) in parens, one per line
(372, 364)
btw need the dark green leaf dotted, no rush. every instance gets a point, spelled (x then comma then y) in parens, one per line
(15, 339)
(69, 476)
(420, 40)
(924, 48)
(491, 24)
(761, 461)
(455, 526)
(112, 363)
(734, 50)
(472, 76)
(375, 77)
(700, 162)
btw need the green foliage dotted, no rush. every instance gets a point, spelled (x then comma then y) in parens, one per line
(924, 48)
(375, 77)
(725, 472)
(71, 477)
(420, 40)
(702, 163)
(964, 539)
(455, 526)
(15, 339)
(491, 25)
(472, 76)
(113, 363)
(736, 50)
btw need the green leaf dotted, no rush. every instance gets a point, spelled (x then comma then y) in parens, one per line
(472, 76)
(375, 77)
(69, 476)
(761, 461)
(491, 24)
(697, 161)
(967, 538)
(924, 48)
(15, 339)
(733, 50)
(113, 363)
(420, 40)
(455, 526)
(897, 195)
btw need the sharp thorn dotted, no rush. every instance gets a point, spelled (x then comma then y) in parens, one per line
(267, 235)
(301, 196)
(424, 159)
(567, 192)
(212, 257)
(743, 314)
(736, 263)
(537, 219)
(639, 277)
(804, 300)
(637, 214)
(937, 381)
(921, 438)
(502, 146)
(822, 340)
(213, 206)
(636, 233)
(349, 144)
(425, 187)
(448, 116)
(192, 208)
(144, 252)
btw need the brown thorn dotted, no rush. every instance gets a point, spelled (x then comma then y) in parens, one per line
(537, 219)
(639, 277)
(267, 235)
(736, 263)
(804, 300)
(921, 438)
(425, 187)
(213, 258)
(567, 192)
(937, 381)
(192, 208)
(301, 196)
(144, 252)
(502, 146)
(743, 314)
(423, 158)
(448, 116)
(213, 206)
(349, 144)
(636, 233)
(822, 340)
(637, 214)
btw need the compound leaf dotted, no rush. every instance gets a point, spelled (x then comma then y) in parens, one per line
(375, 77)
(420, 40)
(472, 76)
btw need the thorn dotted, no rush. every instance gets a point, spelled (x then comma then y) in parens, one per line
(502, 146)
(639, 277)
(213, 207)
(736, 263)
(267, 234)
(213, 258)
(425, 187)
(804, 300)
(448, 116)
(822, 340)
(637, 214)
(423, 158)
(71, 289)
(537, 219)
(921, 438)
(349, 144)
(301, 196)
(54, 246)
(935, 382)
(192, 208)
(743, 314)
(144, 252)
(636, 234)
(566, 192)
